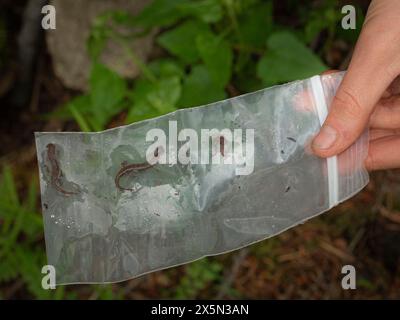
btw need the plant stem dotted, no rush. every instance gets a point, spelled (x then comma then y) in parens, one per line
(79, 119)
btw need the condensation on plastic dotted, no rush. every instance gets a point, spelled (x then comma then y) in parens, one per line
(184, 212)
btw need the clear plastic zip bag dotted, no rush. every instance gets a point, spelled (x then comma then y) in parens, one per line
(110, 215)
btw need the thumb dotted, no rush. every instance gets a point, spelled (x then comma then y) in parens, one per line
(363, 84)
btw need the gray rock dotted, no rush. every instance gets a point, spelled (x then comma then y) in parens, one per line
(68, 43)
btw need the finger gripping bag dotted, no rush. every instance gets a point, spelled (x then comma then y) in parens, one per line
(105, 221)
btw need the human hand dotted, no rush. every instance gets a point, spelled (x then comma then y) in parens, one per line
(369, 94)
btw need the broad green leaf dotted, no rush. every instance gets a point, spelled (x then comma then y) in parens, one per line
(217, 57)
(162, 68)
(287, 59)
(198, 88)
(163, 13)
(154, 99)
(256, 24)
(160, 13)
(107, 91)
(165, 94)
(107, 87)
(181, 41)
(209, 11)
(141, 110)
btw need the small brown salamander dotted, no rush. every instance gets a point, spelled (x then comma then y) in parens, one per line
(222, 145)
(55, 170)
(128, 168)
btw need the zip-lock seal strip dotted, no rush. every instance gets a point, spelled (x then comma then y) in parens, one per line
(332, 163)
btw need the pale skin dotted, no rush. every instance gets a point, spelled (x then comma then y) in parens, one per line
(369, 95)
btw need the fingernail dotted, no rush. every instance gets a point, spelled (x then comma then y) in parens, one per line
(326, 138)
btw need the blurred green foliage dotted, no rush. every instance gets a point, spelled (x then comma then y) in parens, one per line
(22, 255)
(20, 220)
(211, 48)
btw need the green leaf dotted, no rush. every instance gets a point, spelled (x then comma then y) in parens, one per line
(287, 59)
(164, 13)
(107, 87)
(256, 24)
(154, 99)
(198, 88)
(217, 56)
(181, 41)
(209, 11)
(162, 68)
(165, 95)
(107, 92)
(141, 111)
(160, 13)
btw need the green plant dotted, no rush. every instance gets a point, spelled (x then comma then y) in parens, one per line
(213, 49)
(21, 229)
(22, 253)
